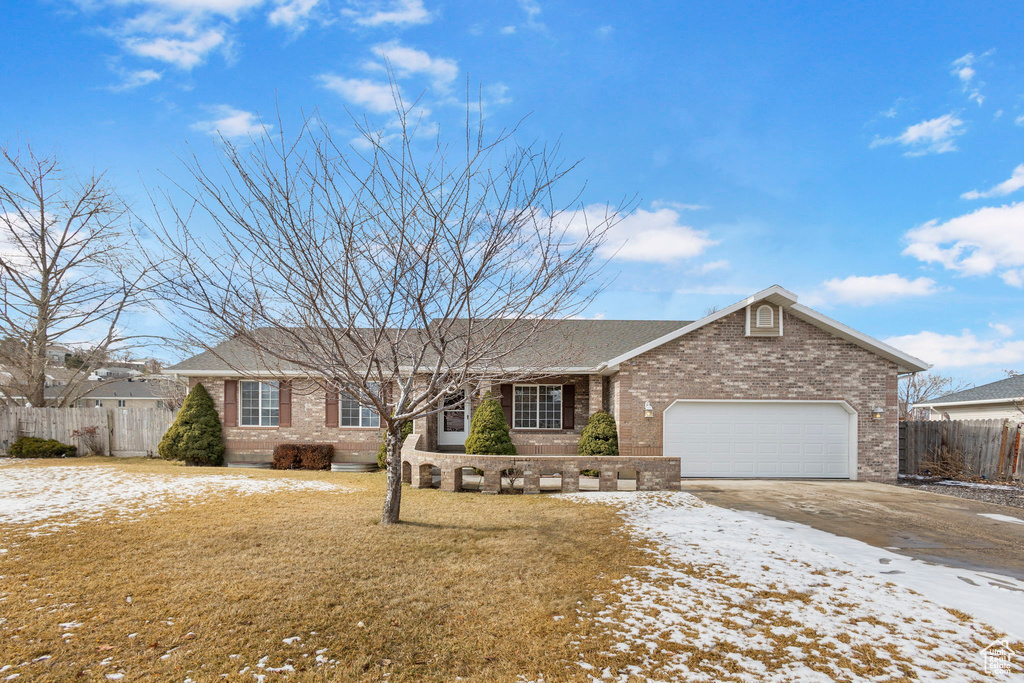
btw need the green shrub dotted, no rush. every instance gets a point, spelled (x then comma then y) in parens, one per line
(488, 432)
(303, 456)
(599, 437)
(196, 435)
(382, 452)
(32, 447)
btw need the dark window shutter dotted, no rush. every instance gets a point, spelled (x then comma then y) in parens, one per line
(231, 403)
(568, 406)
(284, 403)
(506, 402)
(331, 409)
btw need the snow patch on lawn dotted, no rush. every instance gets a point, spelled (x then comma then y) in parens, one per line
(1001, 518)
(61, 496)
(739, 596)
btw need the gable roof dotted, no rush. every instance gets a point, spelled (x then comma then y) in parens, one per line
(1001, 391)
(577, 345)
(788, 300)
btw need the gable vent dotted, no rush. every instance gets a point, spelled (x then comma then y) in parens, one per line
(765, 316)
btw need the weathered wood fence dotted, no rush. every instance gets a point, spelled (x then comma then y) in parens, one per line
(981, 448)
(120, 432)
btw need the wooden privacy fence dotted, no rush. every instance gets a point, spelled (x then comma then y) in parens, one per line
(979, 448)
(120, 431)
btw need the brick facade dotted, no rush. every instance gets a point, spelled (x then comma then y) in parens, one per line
(718, 361)
(256, 444)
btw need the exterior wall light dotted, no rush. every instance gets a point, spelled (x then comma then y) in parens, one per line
(877, 413)
(648, 409)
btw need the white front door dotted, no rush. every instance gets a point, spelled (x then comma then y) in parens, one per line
(453, 422)
(802, 439)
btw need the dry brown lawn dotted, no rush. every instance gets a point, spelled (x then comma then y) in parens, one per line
(468, 586)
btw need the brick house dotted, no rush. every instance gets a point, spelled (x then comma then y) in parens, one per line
(765, 387)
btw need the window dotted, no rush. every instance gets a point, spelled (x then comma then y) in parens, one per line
(765, 316)
(537, 406)
(99, 403)
(258, 404)
(351, 413)
(79, 404)
(121, 403)
(161, 404)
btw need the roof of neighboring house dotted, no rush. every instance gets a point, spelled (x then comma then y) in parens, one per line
(566, 345)
(1001, 391)
(111, 390)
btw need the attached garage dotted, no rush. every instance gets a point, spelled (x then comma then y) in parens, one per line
(798, 439)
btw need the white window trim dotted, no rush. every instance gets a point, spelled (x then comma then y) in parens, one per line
(362, 406)
(259, 394)
(771, 317)
(537, 416)
(121, 403)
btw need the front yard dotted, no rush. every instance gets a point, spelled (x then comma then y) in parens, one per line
(134, 570)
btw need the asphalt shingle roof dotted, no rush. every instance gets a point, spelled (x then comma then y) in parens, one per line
(1011, 387)
(569, 343)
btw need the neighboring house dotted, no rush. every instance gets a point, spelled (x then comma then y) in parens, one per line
(119, 372)
(57, 354)
(999, 400)
(763, 388)
(122, 394)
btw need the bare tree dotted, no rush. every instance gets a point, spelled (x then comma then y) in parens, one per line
(919, 387)
(393, 270)
(68, 273)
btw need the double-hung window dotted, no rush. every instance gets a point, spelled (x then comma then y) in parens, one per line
(352, 413)
(259, 404)
(537, 406)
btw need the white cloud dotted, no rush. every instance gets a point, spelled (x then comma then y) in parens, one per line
(183, 53)
(678, 206)
(984, 241)
(408, 61)
(963, 69)
(1002, 328)
(532, 9)
(604, 31)
(136, 79)
(864, 290)
(710, 267)
(398, 13)
(292, 14)
(232, 123)
(655, 236)
(377, 97)
(934, 136)
(1012, 184)
(960, 351)
(508, 30)
(1019, 120)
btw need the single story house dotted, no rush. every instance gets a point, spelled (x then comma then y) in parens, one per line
(766, 387)
(128, 393)
(1000, 400)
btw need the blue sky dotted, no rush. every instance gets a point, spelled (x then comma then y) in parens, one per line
(868, 156)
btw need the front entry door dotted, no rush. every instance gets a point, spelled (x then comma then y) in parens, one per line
(453, 422)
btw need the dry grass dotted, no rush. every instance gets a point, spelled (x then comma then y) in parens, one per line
(468, 586)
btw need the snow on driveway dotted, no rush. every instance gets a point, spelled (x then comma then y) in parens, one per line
(737, 596)
(58, 496)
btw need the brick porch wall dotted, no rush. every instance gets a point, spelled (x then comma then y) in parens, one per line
(719, 362)
(256, 444)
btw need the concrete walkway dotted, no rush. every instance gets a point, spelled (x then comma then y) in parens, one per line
(922, 525)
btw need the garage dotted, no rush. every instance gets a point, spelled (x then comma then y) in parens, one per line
(798, 439)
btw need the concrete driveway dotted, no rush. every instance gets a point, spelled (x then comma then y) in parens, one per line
(922, 525)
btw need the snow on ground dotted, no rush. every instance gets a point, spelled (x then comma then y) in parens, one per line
(1001, 518)
(61, 495)
(740, 596)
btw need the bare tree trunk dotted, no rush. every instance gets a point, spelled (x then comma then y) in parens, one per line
(393, 494)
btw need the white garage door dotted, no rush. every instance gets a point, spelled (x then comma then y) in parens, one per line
(760, 439)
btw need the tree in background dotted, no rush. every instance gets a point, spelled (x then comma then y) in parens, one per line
(394, 270)
(196, 435)
(599, 436)
(922, 386)
(68, 272)
(488, 430)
